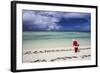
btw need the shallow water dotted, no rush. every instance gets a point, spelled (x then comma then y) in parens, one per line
(54, 39)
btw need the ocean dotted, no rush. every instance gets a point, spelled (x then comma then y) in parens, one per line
(35, 40)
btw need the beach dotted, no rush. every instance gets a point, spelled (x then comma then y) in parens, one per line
(55, 46)
(31, 56)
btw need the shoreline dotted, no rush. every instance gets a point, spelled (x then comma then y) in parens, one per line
(31, 51)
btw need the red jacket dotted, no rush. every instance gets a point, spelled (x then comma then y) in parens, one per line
(75, 43)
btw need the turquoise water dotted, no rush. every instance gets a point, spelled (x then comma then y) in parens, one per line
(54, 39)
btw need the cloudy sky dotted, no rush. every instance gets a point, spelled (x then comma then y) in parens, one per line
(34, 20)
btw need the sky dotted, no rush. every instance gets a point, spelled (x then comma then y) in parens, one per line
(34, 20)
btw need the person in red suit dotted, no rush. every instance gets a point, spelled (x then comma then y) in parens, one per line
(76, 45)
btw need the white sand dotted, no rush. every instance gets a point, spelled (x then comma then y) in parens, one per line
(55, 54)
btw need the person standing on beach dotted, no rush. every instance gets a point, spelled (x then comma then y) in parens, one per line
(75, 45)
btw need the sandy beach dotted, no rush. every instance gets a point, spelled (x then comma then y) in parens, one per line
(55, 46)
(55, 54)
